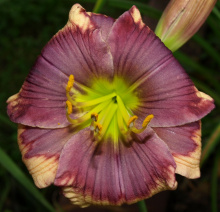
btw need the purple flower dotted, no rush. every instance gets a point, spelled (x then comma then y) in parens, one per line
(107, 113)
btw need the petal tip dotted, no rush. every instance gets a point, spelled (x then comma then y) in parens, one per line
(172, 183)
(135, 13)
(75, 9)
(76, 199)
(207, 102)
(79, 17)
(12, 105)
(42, 169)
(187, 167)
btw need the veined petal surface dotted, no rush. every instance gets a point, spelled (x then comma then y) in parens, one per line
(91, 89)
(115, 172)
(78, 49)
(184, 143)
(104, 23)
(162, 86)
(40, 149)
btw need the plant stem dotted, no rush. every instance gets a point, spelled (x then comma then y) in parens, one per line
(142, 206)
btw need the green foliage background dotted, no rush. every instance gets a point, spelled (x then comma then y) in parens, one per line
(26, 26)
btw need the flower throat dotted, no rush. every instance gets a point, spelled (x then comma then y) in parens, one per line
(105, 106)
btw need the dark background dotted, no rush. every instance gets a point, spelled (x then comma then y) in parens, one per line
(25, 27)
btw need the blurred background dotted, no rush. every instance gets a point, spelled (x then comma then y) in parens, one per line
(25, 27)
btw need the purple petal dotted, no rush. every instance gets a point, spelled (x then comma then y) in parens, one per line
(184, 143)
(115, 173)
(104, 23)
(40, 150)
(135, 48)
(171, 101)
(163, 87)
(77, 49)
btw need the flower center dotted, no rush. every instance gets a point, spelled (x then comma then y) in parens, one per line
(105, 106)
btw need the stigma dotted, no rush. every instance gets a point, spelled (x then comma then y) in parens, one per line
(105, 108)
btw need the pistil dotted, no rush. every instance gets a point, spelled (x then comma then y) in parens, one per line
(108, 111)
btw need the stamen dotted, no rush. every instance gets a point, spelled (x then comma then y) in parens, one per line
(106, 117)
(105, 110)
(70, 83)
(94, 116)
(132, 120)
(98, 128)
(120, 122)
(96, 109)
(69, 107)
(147, 120)
(95, 101)
(123, 109)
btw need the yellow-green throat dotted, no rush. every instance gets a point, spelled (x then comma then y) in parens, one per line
(105, 106)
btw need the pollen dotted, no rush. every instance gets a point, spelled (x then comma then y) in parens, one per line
(94, 116)
(147, 120)
(70, 83)
(145, 123)
(98, 128)
(105, 108)
(131, 120)
(69, 107)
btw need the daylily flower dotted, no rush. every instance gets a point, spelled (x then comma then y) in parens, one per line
(107, 113)
(181, 20)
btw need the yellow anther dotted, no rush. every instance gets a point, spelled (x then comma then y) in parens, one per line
(94, 116)
(69, 107)
(131, 120)
(147, 120)
(98, 128)
(70, 83)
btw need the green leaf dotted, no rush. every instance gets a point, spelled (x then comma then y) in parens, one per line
(6, 121)
(214, 183)
(98, 6)
(5, 189)
(216, 12)
(211, 144)
(207, 47)
(15, 171)
(214, 25)
(204, 71)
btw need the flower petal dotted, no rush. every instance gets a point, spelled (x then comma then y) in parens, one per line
(114, 172)
(163, 87)
(173, 105)
(77, 49)
(184, 143)
(135, 48)
(104, 23)
(40, 150)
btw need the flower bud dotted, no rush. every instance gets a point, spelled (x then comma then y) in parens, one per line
(181, 20)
